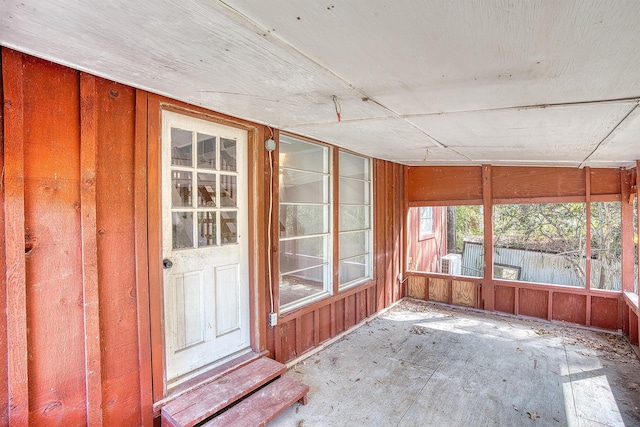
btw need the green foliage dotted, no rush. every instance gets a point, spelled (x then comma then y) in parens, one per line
(469, 222)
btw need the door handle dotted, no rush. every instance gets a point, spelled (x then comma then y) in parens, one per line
(167, 263)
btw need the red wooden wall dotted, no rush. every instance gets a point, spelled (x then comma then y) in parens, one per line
(70, 254)
(79, 230)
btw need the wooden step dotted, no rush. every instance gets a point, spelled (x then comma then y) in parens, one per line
(203, 402)
(263, 405)
(207, 377)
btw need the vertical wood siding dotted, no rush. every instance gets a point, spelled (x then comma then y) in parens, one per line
(74, 135)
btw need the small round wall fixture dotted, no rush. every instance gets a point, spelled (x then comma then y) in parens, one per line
(270, 144)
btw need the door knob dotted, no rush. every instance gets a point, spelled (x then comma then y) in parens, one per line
(167, 263)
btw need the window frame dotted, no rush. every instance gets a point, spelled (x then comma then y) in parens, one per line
(331, 286)
(368, 275)
(424, 234)
(327, 264)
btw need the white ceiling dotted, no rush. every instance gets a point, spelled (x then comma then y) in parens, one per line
(502, 82)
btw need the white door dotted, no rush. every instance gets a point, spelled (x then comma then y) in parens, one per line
(204, 244)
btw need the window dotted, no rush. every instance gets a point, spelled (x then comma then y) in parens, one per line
(606, 246)
(426, 222)
(305, 222)
(456, 241)
(546, 241)
(355, 252)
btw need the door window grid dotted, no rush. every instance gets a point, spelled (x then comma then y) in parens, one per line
(208, 218)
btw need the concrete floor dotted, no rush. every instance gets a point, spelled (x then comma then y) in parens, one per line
(420, 364)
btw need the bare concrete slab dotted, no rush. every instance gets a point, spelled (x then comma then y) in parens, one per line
(421, 364)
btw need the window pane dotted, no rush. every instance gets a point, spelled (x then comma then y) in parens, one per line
(181, 189)
(206, 228)
(606, 246)
(354, 191)
(304, 193)
(456, 246)
(182, 229)
(353, 244)
(426, 220)
(354, 217)
(303, 187)
(352, 166)
(206, 151)
(228, 227)
(303, 220)
(303, 253)
(545, 241)
(353, 269)
(181, 147)
(228, 191)
(227, 154)
(302, 284)
(299, 154)
(206, 189)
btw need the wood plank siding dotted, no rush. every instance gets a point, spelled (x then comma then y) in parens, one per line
(82, 339)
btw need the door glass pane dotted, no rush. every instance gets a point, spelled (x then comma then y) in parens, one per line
(206, 151)
(182, 229)
(228, 227)
(181, 189)
(227, 154)
(206, 189)
(181, 150)
(228, 191)
(206, 228)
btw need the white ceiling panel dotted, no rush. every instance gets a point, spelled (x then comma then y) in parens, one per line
(419, 56)
(565, 134)
(387, 139)
(433, 72)
(621, 147)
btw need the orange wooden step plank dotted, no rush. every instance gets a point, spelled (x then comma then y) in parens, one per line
(208, 377)
(200, 404)
(263, 406)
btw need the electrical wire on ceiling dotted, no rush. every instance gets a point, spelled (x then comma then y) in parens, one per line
(337, 106)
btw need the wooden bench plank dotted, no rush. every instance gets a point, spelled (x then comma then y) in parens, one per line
(264, 405)
(200, 404)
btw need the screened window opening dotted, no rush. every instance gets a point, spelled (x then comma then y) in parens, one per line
(455, 243)
(305, 222)
(355, 235)
(546, 241)
(606, 246)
